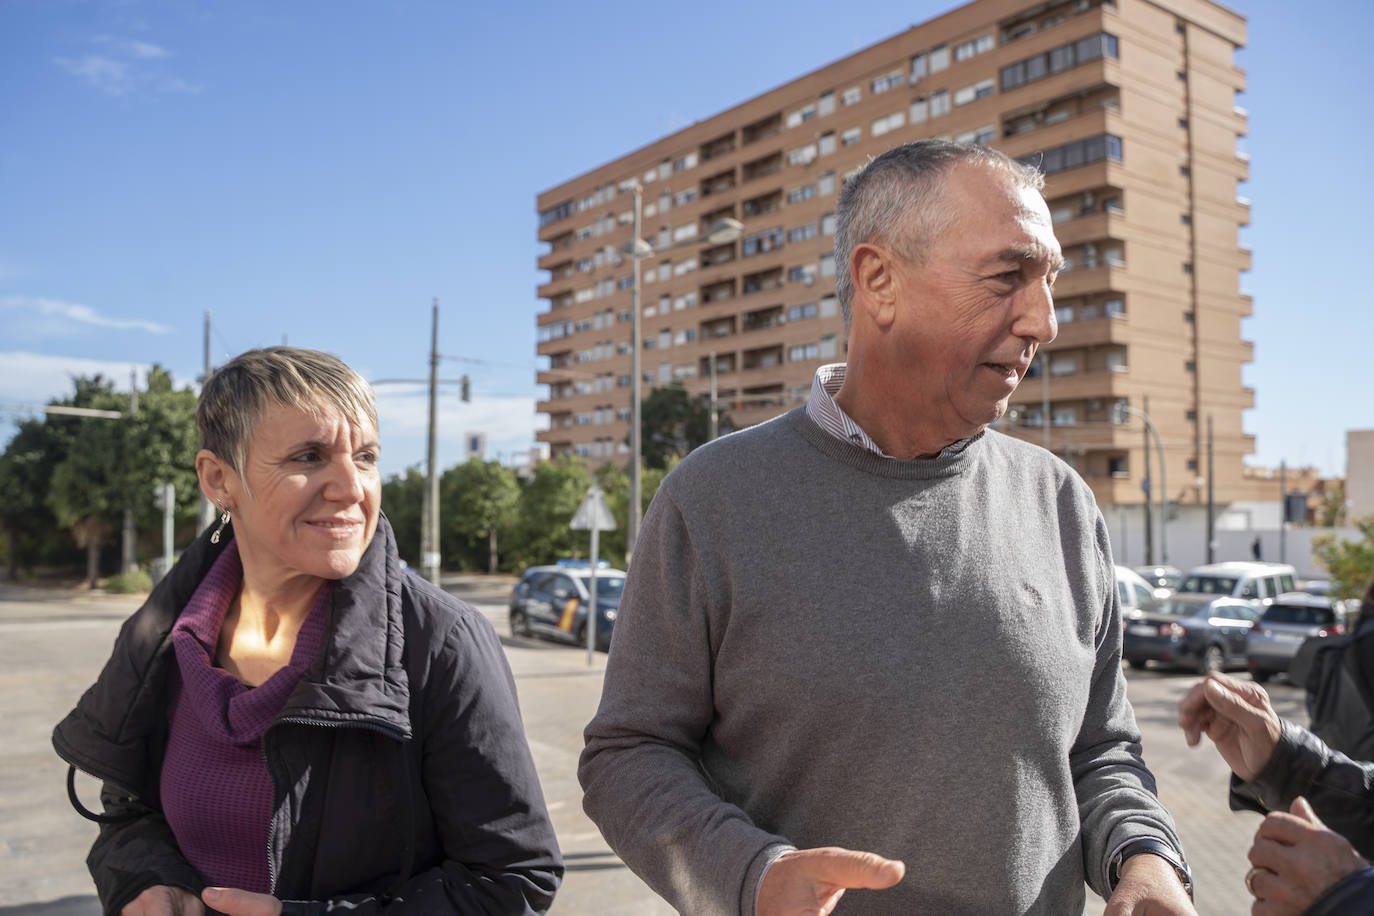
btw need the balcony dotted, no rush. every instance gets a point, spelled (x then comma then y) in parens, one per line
(760, 319)
(764, 203)
(1093, 332)
(1083, 281)
(1092, 227)
(762, 358)
(720, 146)
(763, 281)
(761, 167)
(1103, 384)
(718, 183)
(761, 129)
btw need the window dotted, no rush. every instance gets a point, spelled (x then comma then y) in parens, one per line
(685, 197)
(686, 162)
(801, 312)
(1186, 219)
(982, 136)
(1063, 314)
(826, 104)
(828, 306)
(851, 96)
(919, 68)
(1114, 308)
(828, 265)
(826, 183)
(939, 58)
(1072, 155)
(1065, 416)
(554, 214)
(939, 103)
(920, 110)
(802, 155)
(827, 348)
(803, 273)
(797, 195)
(802, 233)
(684, 232)
(979, 90)
(761, 242)
(889, 81)
(1187, 267)
(1188, 317)
(1082, 51)
(682, 267)
(888, 122)
(827, 143)
(851, 136)
(973, 47)
(1190, 366)
(1116, 361)
(801, 115)
(1065, 364)
(803, 352)
(684, 337)
(828, 224)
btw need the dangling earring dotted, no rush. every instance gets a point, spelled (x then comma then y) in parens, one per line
(223, 520)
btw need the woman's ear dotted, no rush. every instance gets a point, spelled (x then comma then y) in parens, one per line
(214, 476)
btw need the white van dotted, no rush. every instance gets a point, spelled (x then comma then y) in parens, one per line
(1257, 583)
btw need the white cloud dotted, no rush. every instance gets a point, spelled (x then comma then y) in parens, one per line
(143, 50)
(36, 378)
(61, 316)
(108, 75)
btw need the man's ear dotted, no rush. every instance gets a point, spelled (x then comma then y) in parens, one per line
(875, 284)
(215, 476)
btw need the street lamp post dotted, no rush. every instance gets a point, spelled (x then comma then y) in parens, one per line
(1122, 410)
(725, 231)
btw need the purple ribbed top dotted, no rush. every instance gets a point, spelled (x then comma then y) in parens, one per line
(216, 793)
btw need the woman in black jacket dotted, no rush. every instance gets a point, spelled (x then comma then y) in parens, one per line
(293, 722)
(1300, 864)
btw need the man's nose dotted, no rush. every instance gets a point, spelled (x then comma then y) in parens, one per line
(1035, 318)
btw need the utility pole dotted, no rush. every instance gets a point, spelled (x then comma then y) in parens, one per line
(1145, 485)
(1045, 399)
(1283, 511)
(207, 508)
(715, 409)
(636, 447)
(1211, 505)
(127, 558)
(429, 513)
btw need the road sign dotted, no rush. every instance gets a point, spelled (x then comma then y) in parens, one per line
(593, 514)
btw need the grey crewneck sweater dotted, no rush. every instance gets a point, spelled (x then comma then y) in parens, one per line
(820, 646)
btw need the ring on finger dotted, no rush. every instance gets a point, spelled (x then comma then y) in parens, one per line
(1250, 879)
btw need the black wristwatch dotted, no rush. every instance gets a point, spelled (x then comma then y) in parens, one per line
(1155, 847)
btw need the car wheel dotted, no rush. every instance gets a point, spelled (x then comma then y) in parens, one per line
(519, 626)
(1259, 676)
(1134, 663)
(1212, 660)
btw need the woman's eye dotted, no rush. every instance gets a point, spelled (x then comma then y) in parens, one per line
(367, 458)
(309, 457)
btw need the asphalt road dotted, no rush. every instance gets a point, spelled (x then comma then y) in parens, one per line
(52, 645)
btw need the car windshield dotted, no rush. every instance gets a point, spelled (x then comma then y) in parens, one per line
(606, 586)
(1304, 616)
(1208, 585)
(1172, 608)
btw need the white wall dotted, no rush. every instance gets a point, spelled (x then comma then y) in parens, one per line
(1187, 538)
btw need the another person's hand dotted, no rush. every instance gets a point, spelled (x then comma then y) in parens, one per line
(1237, 716)
(161, 900)
(809, 882)
(1296, 858)
(1149, 886)
(234, 902)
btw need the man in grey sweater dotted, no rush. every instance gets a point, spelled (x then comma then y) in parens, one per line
(871, 648)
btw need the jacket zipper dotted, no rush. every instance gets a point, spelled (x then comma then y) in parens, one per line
(386, 730)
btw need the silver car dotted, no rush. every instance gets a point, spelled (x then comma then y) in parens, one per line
(1282, 629)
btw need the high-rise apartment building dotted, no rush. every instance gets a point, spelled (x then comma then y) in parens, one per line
(1128, 107)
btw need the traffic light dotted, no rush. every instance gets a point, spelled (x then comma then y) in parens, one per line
(466, 388)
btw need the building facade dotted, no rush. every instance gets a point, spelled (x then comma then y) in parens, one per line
(1129, 107)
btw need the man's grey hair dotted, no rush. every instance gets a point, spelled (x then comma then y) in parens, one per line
(898, 201)
(234, 398)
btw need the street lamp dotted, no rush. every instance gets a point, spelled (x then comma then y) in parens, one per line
(723, 232)
(1119, 412)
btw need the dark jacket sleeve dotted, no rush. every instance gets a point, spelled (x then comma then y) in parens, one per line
(1352, 894)
(500, 854)
(1340, 790)
(135, 853)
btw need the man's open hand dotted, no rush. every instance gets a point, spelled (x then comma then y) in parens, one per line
(809, 882)
(1237, 716)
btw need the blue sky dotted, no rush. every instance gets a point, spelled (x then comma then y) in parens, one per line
(317, 172)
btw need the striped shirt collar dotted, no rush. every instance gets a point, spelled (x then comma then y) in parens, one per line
(828, 415)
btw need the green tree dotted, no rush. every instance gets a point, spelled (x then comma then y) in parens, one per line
(547, 503)
(114, 465)
(26, 470)
(614, 481)
(1331, 510)
(403, 495)
(479, 503)
(672, 423)
(1350, 563)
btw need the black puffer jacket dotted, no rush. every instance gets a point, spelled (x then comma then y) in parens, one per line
(1341, 792)
(402, 780)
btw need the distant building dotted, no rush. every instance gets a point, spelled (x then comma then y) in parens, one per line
(1129, 107)
(1359, 474)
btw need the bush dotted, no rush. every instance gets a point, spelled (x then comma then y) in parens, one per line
(132, 582)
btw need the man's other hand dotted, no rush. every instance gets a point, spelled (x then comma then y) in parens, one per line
(1237, 716)
(1297, 858)
(1149, 886)
(809, 882)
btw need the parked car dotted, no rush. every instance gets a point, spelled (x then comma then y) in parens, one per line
(1133, 591)
(1163, 579)
(1315, 586)
(1257, 583)
(1201, 632)
(1282, 629)
(552, 601)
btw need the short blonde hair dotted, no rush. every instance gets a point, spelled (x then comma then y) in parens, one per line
(234, 397)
